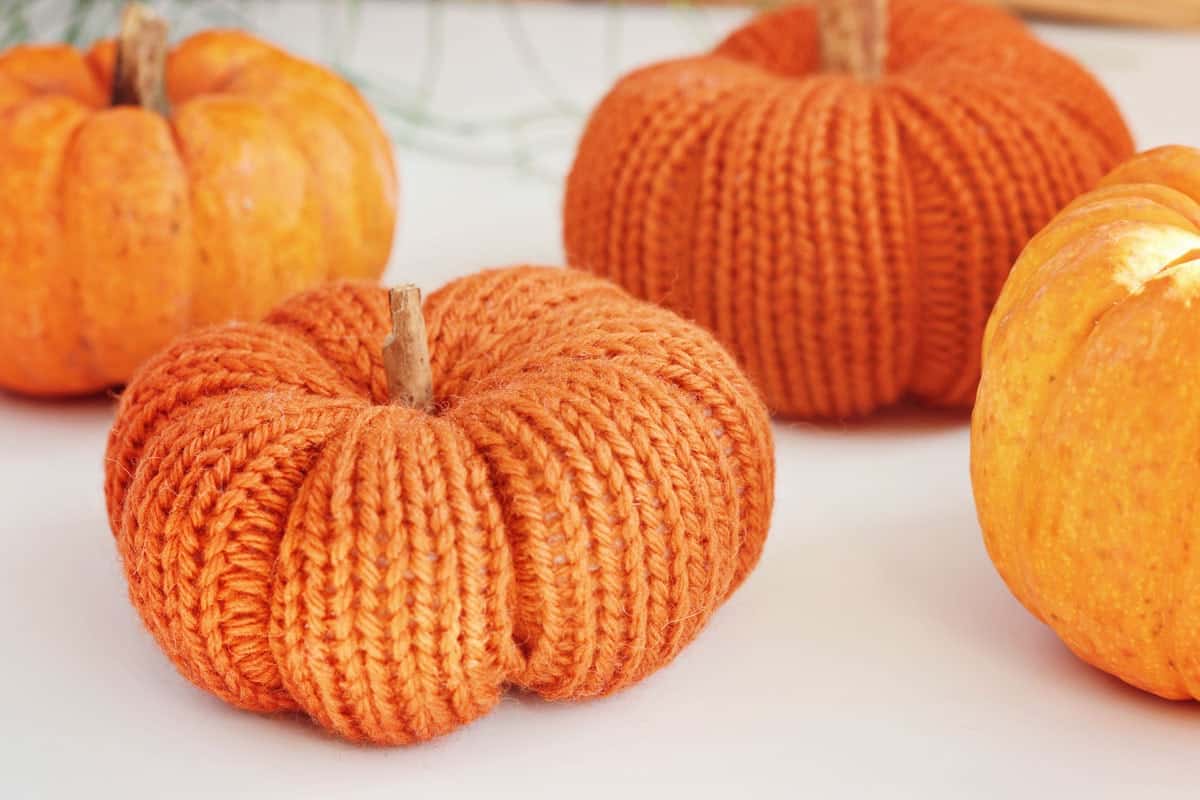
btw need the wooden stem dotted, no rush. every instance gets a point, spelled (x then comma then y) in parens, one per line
(853, 36)
(140, 71)
(406, 351)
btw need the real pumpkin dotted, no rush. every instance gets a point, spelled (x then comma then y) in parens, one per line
(1085, 435)
(589, 479)
(143, 192)
(839, 193)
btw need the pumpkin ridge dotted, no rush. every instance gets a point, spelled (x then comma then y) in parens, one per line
(782, 210)
(59, 85)
(943, 264)
(639, 467)
(21, 366)
(1112, 135)
(84, 358)
(86, 368)
(514, 489)
(692, 127)
(134, 430)
(902, 242)
(97, 69)
(547, 423)
(1034, 204)
(709, 235)
(826, 319)
(312, 185)
(125, 189)
(516, 662)
(592, 480)
(298, 82)
(220, 86)
(756, 257)
(860, 238)
(811, 383)
(149, 516)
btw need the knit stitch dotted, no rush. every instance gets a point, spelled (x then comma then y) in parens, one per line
(846, 239)
(596, 480)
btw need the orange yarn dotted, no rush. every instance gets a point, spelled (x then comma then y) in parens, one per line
(845, 239)
(596, 481)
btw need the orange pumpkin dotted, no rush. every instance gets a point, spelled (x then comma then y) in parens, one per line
(841, 213)
(592, 479)
(123, 221)
(1083, 443)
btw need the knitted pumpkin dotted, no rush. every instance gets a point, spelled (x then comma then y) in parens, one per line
(591, 480)
(129, 213)
(842, 219)
(1085, 434)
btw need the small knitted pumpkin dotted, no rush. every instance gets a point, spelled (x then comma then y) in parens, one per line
(1085, 435)
(842, 220)
(594, 479)
(124, 221)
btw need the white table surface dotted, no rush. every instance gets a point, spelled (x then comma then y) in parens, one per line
(875, 652)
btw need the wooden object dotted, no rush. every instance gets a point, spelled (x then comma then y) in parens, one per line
(406, 351)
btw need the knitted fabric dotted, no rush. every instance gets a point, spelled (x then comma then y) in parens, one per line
(596, 480)
(846, 240)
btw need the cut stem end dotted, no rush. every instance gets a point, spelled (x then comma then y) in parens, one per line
(853, 36)
(406, 351)
(139, 74)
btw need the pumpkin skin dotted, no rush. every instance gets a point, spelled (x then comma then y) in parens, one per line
(120, 228)
(1083, 441)
(596, 480)
(846, 239)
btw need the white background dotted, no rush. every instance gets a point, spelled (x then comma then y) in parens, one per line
(874, 652)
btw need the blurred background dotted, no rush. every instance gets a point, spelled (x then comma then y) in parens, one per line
(490, 97)
(521, 63)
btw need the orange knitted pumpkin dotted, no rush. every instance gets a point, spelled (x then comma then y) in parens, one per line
(123, 222)
(844, 231)
(596, 478)
(1083, 443)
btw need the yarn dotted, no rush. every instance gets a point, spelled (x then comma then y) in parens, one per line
(844, 237)
(596, 478)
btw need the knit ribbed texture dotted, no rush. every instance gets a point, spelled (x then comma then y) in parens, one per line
(597, 479)
(845, 239)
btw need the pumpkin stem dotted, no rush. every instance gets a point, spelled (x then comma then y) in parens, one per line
(406, 351)
(140, 70)
(853, 36)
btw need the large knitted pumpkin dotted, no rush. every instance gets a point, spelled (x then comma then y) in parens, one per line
(592, 478)
(841, 219)
(129, 212)
(1085, 438)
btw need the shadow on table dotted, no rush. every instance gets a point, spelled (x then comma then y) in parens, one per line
(947, 580)
(57, 408)
(899, 420)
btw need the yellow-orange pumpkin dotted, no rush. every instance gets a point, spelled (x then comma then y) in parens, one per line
(120, 225)
(1085, 438)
